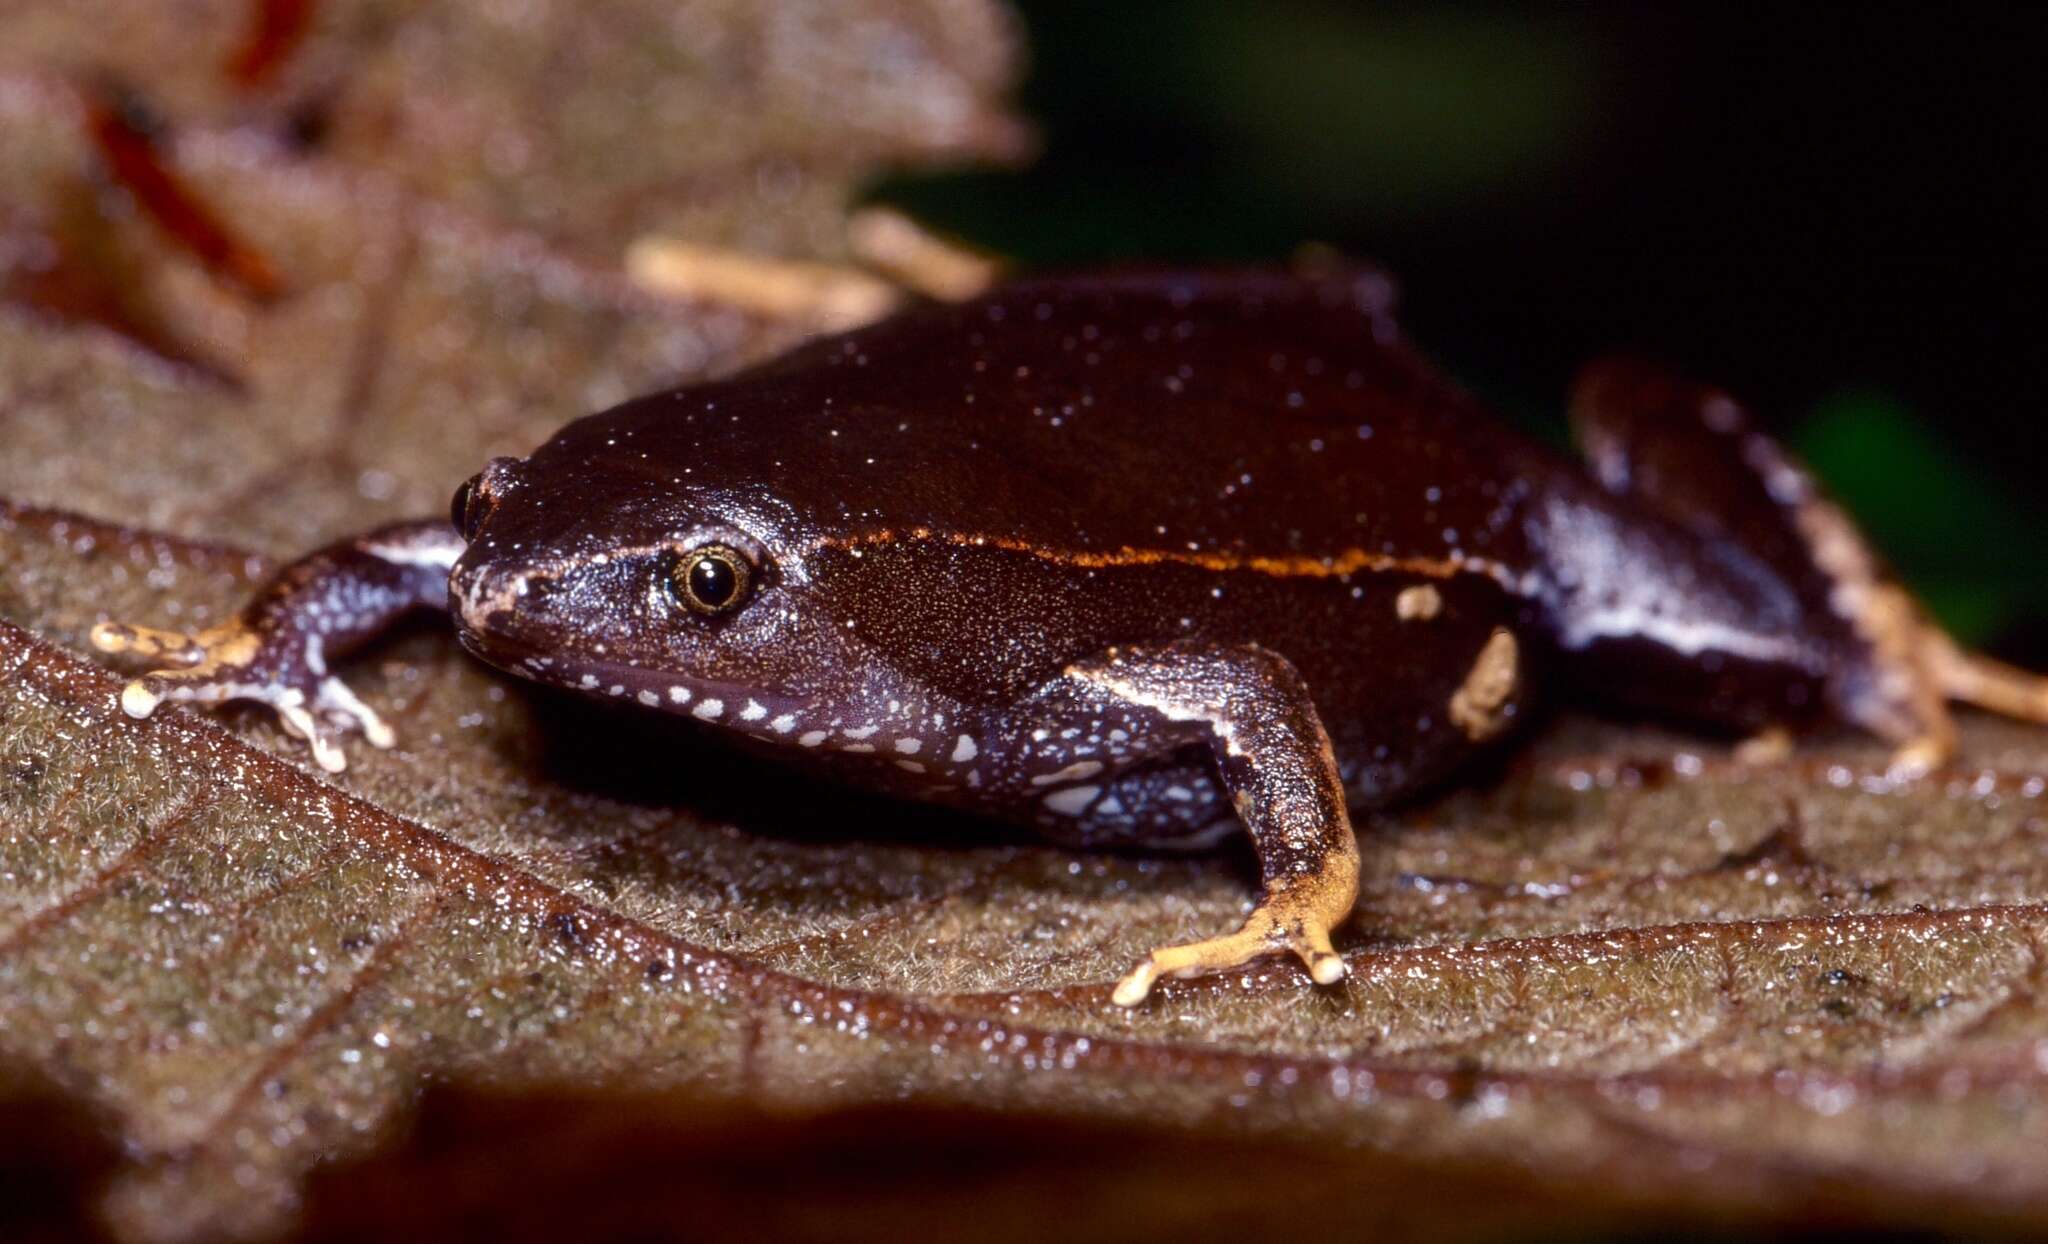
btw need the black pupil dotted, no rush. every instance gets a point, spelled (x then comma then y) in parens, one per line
(458, 510)
(712, 581)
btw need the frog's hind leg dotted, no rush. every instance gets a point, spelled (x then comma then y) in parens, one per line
(1990, 685)
(1690, 453)
(1253, 711)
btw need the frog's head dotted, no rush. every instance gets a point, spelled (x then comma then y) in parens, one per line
(590, 567)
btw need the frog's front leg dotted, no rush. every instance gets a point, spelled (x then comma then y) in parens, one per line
(276, 650)
(1251, 708)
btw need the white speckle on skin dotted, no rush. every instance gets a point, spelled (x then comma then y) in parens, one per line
(1419, 603)
(910, 747)
(811, 738)
(648, 698)
(964, 750)
(858, 747)
(587, 682)
(863, 732)
(783, 724)
(1179, 792)
(679, 695)
(707, 709)
(1072, 801)
(754, 711)
(615, 689)
(1079, 769)
(910, 766)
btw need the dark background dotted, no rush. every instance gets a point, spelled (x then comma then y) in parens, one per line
(1837, 212)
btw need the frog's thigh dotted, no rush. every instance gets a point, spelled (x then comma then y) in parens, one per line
(1691, 453)
(1253, 711)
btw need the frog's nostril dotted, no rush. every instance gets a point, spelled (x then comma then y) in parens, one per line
(482, 596)
(538, 589)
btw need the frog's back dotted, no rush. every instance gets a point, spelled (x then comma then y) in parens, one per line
(1256, 414)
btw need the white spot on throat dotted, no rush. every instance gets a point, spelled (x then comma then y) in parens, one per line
(754, 711)
(783, 724)
(1072, 801)
(648, 698)
(910, 747)
(965, 750)
(707, 709)
(1079, 769)
(679, 695)
(811, 738)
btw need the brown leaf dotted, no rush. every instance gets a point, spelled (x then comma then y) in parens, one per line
(1621, 981)
(724, 121)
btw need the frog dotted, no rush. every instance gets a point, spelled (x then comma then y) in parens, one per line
(1140, 560)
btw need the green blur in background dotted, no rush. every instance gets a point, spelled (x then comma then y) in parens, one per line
(1826, 213)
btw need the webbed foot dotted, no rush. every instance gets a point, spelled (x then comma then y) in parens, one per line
(235, 661)
(1295, 917)
(1920, 670)
(1941, 670)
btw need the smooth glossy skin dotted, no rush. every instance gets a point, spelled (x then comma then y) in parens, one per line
(959, 503)
(1137, 559)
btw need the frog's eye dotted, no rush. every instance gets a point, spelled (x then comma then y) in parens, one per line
(712, 578)
(473, 501)
(459, 508)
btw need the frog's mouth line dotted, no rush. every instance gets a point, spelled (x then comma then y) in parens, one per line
(719, 703)
(772, 719)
